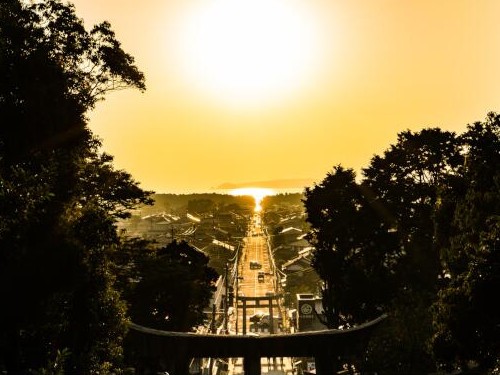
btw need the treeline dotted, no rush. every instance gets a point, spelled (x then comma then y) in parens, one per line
(285, 199)
(69, 283)
(416, 236)
(200, 202)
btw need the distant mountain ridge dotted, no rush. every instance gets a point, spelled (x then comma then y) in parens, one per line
(270, 184)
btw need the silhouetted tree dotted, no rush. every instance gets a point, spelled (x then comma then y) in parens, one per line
(59, 197)
(467, 315)
(53, 72)
(351, 242)
(376, 243)
(173, 286)
(406, 182)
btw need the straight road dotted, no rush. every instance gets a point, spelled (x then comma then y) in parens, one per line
(249, 285)
(256, 251)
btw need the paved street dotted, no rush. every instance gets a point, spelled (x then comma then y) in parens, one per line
(249, 285)
(256, 252)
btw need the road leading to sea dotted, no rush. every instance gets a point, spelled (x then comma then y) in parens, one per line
(256, 250)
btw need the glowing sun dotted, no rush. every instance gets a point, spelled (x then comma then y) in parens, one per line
(248, 51)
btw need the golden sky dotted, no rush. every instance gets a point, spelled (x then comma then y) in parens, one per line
(256, 90)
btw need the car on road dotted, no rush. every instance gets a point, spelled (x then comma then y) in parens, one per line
(260, 276)
(263, 320)
(266, 319)
(254, 265)
(255, 318)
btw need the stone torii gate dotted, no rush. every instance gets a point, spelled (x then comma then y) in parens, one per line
(173, 351)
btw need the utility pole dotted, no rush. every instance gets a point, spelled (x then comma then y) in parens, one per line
(226, 301)
(213, 328)
(236, 295)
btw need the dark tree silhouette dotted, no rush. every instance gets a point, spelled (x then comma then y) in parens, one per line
(59, 197)
(174, 284)
(376, 243)
(344, 228)
(467, 313)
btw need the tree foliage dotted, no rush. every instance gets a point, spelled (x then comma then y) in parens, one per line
(417, 238)
(406, 181)
(343, 228)
(53, 72)
(59, 196)
(173, 286)
(466, 315)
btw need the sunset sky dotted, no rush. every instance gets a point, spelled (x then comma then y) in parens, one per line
(256, 90)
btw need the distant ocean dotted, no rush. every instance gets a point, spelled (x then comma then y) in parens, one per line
(288, 190)
(275, 190)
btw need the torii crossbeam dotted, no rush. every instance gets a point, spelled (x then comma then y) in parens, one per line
(174, 350)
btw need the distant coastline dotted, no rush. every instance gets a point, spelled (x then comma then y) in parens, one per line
(282, 186)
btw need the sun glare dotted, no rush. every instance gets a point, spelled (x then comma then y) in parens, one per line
(257, 193)
(248, 51)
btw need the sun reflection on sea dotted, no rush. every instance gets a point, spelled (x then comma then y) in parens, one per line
(257, 193)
